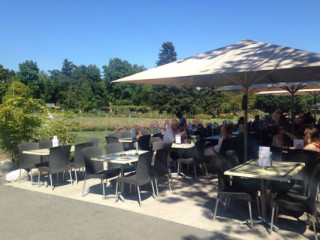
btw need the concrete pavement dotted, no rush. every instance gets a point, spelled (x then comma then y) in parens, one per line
(30, 215)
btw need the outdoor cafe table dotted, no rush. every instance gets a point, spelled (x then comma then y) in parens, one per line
(182, 146)
(280, 171)
(122, 158)
(42, 152)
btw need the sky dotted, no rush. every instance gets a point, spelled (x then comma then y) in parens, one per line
(95, 31)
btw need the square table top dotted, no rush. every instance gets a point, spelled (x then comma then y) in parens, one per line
(182, 145)
(42, 152)
(280, 171)
(128, 140)
(124, 157)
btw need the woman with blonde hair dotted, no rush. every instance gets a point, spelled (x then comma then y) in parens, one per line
(312, 139)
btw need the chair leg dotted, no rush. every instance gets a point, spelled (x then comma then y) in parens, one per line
(116, 194)
(84, 184)
(169, 184)
(51, 180)
(272, 218)
(76, 175)
(138, 189)
(156, 185)
(178, 169)
(153, 194)
(258, 205)
(103, 190)
(195, 171)
(215, 209)
(39, 174)
(206, 169)
(250, 215)
(71, 177)
(314, 227)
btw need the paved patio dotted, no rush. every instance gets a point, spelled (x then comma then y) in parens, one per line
(189, 203)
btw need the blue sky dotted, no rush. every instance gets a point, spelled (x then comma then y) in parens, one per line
(93, 31)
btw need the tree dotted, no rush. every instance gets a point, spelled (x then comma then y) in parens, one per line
(6, 77)
(124, 93)
(68, 67)
(29, 73)
(167, 54)
(20, 115)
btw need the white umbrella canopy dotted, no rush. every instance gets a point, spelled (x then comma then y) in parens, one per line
(310, 91)
(289, 87)
(243, 63)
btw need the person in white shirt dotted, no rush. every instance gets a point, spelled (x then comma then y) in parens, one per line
(172, 130)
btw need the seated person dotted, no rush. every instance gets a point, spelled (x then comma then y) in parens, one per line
(280, 139)
(312, 139)
(172, 130)
(224, 143)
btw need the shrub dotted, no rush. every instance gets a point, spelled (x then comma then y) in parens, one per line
(202, 116)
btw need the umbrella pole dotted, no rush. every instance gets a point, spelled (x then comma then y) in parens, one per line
(292, 112)
(245, 125)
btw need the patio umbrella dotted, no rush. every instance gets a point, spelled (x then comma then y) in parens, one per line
(283, 88)
(310, 91)
(243, 63)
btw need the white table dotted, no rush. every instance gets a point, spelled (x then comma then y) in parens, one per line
(42, 152)
(182, 146)
(280, 171)
(123, 158)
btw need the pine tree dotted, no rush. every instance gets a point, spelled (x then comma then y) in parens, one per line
(167, 54)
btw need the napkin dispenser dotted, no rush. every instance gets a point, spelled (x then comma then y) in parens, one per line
(264, 159)
(178, 138)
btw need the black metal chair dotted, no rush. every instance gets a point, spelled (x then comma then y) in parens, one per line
(195, 158)
(295, 205)
(95, 141)
(95, 169)
(144, 142)
(112, 139)
(227, 191)
(77, 161)
(46, 144)
(298, 184)
(127, 145)
(59, 161)
(142, 176)
(160, 166)
(114, 148)
(28, 161)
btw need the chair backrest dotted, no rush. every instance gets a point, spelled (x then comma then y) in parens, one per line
(92, 167)
(311, 160)
(26, 160)
(46, 144)
(233, 158)
(78, 156)
(161, 160)
(126, 134)
(222, 166)
(112, 139)
(143, 170)
(95, 141)
(113, 148)
(154, 140)
(144, 142)
(315, 181)
(28, 146)
(145, 132)
(59, 158)
(160, 135)
(197, 152)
